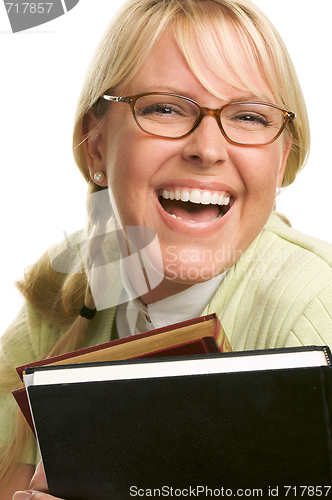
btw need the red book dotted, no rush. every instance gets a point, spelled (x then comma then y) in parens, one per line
(201, 335)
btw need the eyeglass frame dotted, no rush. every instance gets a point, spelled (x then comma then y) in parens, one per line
(289, 116)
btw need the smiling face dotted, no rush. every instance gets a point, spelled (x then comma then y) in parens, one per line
(230, 188)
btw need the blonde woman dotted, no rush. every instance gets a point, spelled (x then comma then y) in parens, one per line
(190, 119)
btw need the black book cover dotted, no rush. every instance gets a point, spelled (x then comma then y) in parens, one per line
(222, 433)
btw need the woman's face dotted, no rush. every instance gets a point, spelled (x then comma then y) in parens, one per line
(197, 244)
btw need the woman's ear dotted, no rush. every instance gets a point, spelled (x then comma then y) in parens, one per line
(94, 147)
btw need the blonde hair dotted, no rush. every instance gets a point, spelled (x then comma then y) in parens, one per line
(204, 31)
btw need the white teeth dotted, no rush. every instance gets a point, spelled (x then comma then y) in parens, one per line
(214, 199)
(195, 196)
(184, 195)
(206, 198)
(192, 221)
(223, 200)
(173, 215)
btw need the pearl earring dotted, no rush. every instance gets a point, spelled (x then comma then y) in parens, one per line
(99, 177)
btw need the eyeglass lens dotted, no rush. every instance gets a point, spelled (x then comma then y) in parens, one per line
(173, 117)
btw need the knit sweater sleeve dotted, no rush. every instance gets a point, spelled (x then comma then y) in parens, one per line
(28, 338)
(279, 293)
(314, 326)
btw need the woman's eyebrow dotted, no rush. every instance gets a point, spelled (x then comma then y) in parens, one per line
(163, 88)
(248, 96)
(254, 97)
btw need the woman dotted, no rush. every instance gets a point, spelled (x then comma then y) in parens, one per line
(187, 116)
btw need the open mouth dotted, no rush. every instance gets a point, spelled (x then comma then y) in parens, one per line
(194, 205)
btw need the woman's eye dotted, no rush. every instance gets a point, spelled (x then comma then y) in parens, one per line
(252, 118)
(160, 109)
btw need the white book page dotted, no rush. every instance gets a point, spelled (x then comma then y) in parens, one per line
(175, 368)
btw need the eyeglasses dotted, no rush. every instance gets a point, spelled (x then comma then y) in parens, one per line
(174, 116)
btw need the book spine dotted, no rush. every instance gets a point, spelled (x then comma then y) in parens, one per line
(327, 353)
(326, 388)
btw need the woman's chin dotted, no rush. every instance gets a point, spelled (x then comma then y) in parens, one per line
(192, 274)
(177, 279)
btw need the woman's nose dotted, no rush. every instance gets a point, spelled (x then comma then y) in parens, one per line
(206, 146)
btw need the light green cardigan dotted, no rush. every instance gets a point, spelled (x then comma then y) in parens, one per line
(279, 293)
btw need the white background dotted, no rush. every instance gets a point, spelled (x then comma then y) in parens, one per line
(42, 69)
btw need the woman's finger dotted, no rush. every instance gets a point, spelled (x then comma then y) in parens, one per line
(38, 481)
(33, 495)
(38, 485)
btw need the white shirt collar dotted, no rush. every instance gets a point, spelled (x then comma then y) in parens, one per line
(135, 317)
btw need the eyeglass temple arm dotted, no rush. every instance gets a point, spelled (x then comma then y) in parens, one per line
(115, 99)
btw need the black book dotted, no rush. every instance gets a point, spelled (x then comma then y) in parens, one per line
(254, 424)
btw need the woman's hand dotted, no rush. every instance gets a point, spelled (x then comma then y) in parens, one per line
(38, 487)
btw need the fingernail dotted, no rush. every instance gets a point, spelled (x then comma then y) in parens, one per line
(22, 495)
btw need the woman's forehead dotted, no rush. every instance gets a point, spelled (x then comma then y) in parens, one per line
(168, 68)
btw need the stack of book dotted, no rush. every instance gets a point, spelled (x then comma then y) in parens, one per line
(212, 423)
